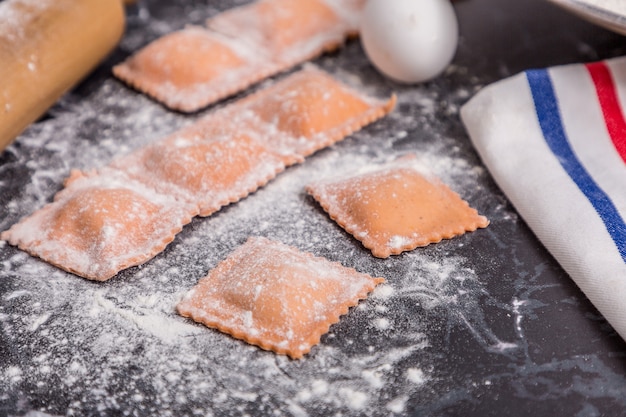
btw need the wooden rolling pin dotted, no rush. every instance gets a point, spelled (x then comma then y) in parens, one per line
(46, 48)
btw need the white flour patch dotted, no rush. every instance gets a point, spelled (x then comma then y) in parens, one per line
(39, 321)
(147, 318)
(397, 405)
(376, 377)
(416, 376)
(382, 323)
(383, 292)
(355, 400)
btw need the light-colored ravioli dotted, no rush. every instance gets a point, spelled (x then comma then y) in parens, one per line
(208, 171)
(99, 225)
(312, 110)
(216, 161)
(190, 68)
(396, 208)
(164, 60)
(275, 296)
(194, 67)
(287, 30)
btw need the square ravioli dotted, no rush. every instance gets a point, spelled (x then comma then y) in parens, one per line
(395, 208)
(191, 68)
(276, 297)
(310, 110)
(208, 165)
(99, 225)
(288, 31)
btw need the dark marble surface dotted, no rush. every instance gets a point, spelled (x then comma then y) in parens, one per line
(486, 324)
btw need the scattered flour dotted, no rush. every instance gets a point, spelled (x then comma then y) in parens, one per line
(416, 376)
(87, 348)
(355, 400)
(382, 323)
(397, 405)
(18, 14)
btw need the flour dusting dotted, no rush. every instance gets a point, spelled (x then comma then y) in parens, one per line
(76, 347)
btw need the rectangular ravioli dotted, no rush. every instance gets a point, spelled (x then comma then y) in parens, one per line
(191, 68)
(218, 160)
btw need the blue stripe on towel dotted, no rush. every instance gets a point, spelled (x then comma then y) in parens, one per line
(551, 124)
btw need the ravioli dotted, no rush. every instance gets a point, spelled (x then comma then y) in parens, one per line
(395, 208)
(286, 30)
(276, 297)
(190, 68)
(310, 110)
(99, 225)
(208, 172)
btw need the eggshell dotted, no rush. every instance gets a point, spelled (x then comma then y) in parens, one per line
(409, 41)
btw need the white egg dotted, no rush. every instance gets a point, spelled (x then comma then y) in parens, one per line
(410, 41)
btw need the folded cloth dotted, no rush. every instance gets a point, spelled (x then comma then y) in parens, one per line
(555, 142)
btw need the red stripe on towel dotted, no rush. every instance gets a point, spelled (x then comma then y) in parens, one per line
(609, 102)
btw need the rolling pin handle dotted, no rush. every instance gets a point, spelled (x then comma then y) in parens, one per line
(46, 48)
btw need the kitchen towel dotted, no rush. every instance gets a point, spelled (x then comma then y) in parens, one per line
(555, 142)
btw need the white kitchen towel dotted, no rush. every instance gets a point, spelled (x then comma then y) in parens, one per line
(555, 142)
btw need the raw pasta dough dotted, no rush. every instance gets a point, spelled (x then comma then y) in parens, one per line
(100, 224)
(395, 208)
(275, 296)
